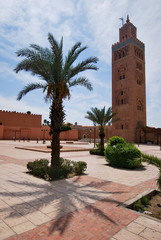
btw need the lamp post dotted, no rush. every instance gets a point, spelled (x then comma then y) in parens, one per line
(94, 135)
(90, 134)
(138, 136)
(44, 130)
(14, 137)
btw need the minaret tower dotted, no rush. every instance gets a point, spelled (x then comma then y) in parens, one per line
(128, 83)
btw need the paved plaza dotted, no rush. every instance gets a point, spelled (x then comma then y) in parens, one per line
(82, 207)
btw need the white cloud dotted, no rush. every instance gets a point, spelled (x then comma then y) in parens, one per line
(10, 103)
(80, 103)
(95, 23)
(7, 72)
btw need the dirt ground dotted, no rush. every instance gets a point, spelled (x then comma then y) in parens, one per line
(156, 211)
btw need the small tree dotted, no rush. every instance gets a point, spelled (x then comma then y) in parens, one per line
(57, 75)
(46, 122)
(101, 117)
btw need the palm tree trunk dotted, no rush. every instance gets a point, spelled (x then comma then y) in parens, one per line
(102, 136)
(56, 117)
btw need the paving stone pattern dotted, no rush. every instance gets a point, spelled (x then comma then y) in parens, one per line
(83, 207)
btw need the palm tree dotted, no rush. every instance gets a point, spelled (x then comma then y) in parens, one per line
(58, 75)
(101, 117)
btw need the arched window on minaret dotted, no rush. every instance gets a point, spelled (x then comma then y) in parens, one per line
(122, 98)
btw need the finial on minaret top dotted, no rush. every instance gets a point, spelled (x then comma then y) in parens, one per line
(127, 20)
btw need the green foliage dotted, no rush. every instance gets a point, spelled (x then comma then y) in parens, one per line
(122, 154)
(40, 168)
(65, 128)
(62, 172)
(151, 160)
(145, 201)
(159, 180)
(137, 206)
(97, 152)
(101, 117)
(79, 167)
(115, 140)
(57, 73)
(141, 204)
(156, 162)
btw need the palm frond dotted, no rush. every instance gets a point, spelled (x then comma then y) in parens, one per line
(81, 81)
(100, 116)
(44, 53)
(37, 66)
(72, 56)
(25, 52)
(28, 88)
(58, 57)
(23, 65)
(93, 115)
(109, 118)
(48, 65)
(54, 44)
(88, 64)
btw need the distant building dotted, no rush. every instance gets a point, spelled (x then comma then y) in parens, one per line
(25, 126)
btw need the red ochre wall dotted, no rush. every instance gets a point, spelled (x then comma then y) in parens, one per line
(19, 133)
(24, 120)
(65, 135)
(27, 126)
(1, 131)
(8, 133)
(69, 135)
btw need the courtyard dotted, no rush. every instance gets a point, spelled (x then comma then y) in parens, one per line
(82, 207)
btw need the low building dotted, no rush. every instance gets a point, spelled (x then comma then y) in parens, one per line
(25, 126)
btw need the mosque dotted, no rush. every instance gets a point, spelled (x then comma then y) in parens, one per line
(128, 100)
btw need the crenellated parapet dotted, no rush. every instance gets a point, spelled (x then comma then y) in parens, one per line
(19, 119)
(21, 113)
(137, 42)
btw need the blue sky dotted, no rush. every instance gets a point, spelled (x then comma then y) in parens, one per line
(96, 24)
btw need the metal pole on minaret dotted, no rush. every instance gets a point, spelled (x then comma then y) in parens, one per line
(122, 20)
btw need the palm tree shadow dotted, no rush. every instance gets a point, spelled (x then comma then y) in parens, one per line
(65, 196)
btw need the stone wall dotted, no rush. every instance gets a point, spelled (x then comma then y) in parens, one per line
(1, 131)
(16, 119)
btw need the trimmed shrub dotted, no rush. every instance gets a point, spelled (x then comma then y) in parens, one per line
(96, 152)
(65, 169)
(62, 172)
(122, 155)
(40, 168)
(79, 167)
(115, 140)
